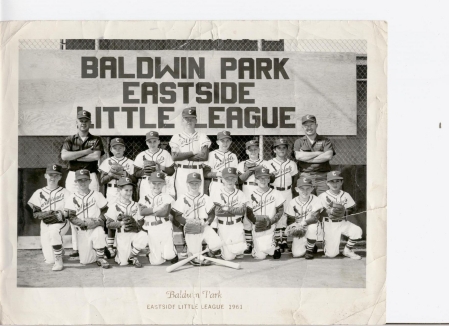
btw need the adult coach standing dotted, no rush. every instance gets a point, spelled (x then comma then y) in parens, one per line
(82, 151)
(313, 153)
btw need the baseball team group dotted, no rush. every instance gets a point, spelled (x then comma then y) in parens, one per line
(250, 207)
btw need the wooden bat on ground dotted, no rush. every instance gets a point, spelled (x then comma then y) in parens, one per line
(173, 267)
(223, 262)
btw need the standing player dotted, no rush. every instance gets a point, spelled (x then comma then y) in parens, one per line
(246, 174)
(190, 149)
(85, 210)
(123, 216)
(82, 151)
(338, 204)
(152, 159)
(155, 206)
(313, 153)
(48, 204)
(303, 211)
(267, 208)
(286, 173)
(230, 207)
(195, 212)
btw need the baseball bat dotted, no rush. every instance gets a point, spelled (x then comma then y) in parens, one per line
(173, 267)
(223, 262)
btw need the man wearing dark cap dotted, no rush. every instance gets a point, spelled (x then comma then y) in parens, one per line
(48, 205)
(151, 160)
(82, 151)
(190, 149)
(313, 153)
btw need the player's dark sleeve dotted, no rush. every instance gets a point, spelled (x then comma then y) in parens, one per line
(133, 178)
(278, 215)
(67, 145)
(111, 224)
(290, 219)
(138, 172)
(39, 214)
(169, 170)
(351, 210)
(177, 216)
(272, 177)
(294, 181)
(181, 156)
(328, 146)
(208, 174)
(105, 177)
(210, 216)
(244, 176)
(145, 211)
(75, 220)
(99, 145)
(250, 214)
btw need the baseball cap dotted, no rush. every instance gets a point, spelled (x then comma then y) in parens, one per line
(83, 114)
(157, 176)
(280, 141)
(53, 168)
(124, 182)
(250, 143)
(308, 117)
(189, 112)
(261, 171)
(117, 141)
(304, 182)
(334, 175)
(227, 172)
(152, 135)
(194, 177)
(223, 134)
(82, 174)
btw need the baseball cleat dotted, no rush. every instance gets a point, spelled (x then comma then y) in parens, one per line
(351, 254)
(309, 255)
(174, 260)
(74, 255)
(58, 266)
(239, 256)
(214, 253)
(183, 254)
(315, 249)
(103, 263)
(195, 262)
(134, 261)
(283, 246)
(277, 253)
(110, 252)
(249, 250)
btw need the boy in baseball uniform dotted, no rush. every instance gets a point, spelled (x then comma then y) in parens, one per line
(286, 173)
(47, 204)
(124, 217)
(246, 175)
(151, 160)
(303, 212)
(85, 209)
(155, 207)
(337, 205)
(265, 210)
(195, 212)
(230, 207)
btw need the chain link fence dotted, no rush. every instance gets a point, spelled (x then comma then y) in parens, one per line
(37, 152)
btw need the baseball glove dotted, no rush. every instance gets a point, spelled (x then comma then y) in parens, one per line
(116, 170)
(263, 223)
(296, 230)
(193, 227)
(149, 166)
(222, 210)
(130, 224)
(249, 166)
(336, 211)
(53, 217)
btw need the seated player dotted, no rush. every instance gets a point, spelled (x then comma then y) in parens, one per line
(337, 205)
(302, 217)
(155, 206)
(230, 207)
(266, 209)
(195, 212)
(124, 218)
(48, 204)
(249, 185)
(85, 209)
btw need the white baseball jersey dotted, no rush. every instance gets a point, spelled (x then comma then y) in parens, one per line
(127, 164)
(283, 171)
(265, 203)
(151, 201)
(185, 142)
(161, 157)
(219, 160)
(131, 209)
(233, 199)
(49, 200)
(303, 211)
(342, 198)
(86, 206)
(194, 207)
(241, 168)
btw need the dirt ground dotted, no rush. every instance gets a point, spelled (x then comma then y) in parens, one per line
(339, 272)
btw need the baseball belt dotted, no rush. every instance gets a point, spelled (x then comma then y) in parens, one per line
(112, 185)
(166, 219)
(280, 188)
(188, 166)
(250, 183)
(238, 220)
(217, 180)
(327, 219)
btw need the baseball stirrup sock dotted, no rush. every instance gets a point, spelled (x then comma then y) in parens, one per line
(99, 252)
(110, 242)
(310, 244)
(248, 237)
(351, 243)
(277, 235)
(134, 251)
(283, 235)
(57, 250)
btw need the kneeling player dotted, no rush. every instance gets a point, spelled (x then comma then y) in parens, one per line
(124, 217)
(155, 206)
(48, 204)
(338, 204)
(230, 208)
(267, 208)
(195, 212)
(302, 217)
